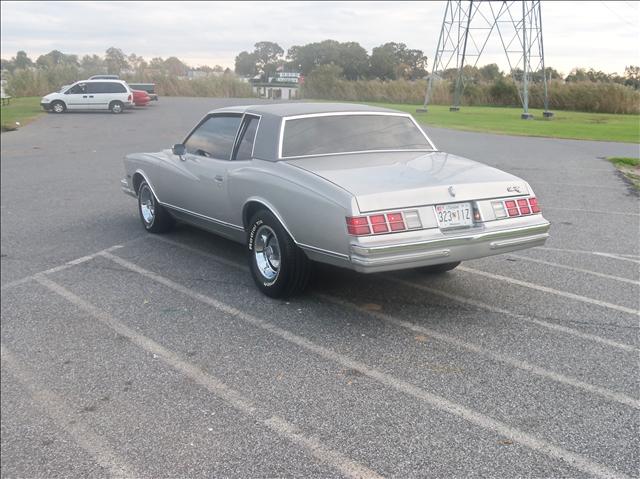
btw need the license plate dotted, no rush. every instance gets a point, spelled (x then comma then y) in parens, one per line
(454, 215)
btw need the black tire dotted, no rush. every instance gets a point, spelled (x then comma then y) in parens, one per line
(154, 217)
(58, 107)
(294, 268)
(439, 268)
(116, 107)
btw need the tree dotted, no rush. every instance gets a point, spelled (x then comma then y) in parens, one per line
(632, 76)
(22, 61)
(56, 58)
(384, 62)
(116, 61)
(92, 64)
(490, 73)
(246, 64)
(354, 60)
(174, 66)
(138, 64)
(267, 54)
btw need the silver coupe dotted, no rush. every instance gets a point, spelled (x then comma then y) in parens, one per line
(350, 185)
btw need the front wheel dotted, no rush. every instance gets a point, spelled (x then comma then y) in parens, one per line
(279, 268)
(155, 218)
(58, 107)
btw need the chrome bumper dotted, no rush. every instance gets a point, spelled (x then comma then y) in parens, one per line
(124, 185)
(373, 259)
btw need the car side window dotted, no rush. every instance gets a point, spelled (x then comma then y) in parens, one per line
(77, 89)
(95, 87)
(244, 150)
(215, 137)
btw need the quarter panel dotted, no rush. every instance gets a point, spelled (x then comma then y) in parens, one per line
(312, 209)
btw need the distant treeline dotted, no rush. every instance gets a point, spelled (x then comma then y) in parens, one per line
(596, 97)
(333, 71)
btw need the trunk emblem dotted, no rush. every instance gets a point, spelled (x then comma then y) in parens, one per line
(513, 189)
(452, 192)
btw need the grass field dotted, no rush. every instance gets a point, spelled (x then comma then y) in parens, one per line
(565, 124)
(20, 110)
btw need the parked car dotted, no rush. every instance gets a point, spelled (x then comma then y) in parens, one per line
(350, 185)
(104, 77)
(112, 95)
(140, 98)
(150, 88)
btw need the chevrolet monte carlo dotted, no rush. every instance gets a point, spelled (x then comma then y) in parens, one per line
(350, 185)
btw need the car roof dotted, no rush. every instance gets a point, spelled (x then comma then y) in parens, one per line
(304, 108)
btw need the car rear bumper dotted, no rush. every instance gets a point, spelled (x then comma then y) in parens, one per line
(389, 257)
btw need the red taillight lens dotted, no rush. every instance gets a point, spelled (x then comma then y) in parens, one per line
(358, 225)
(396, 222)
(534, 205)
(510, 204)
(378, 224)
(523, 202)
(129, 98)
(512, 211)
(524, 210)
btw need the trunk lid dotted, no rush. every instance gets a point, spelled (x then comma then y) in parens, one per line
(381, 181)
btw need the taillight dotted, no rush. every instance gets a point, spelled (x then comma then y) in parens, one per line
(129, 98)
(381, 223)
(396, 223)
(512, 208)
(358, 225)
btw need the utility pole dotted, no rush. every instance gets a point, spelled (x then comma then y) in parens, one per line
(467, 27)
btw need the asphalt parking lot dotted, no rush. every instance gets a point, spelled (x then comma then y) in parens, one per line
(125, 354)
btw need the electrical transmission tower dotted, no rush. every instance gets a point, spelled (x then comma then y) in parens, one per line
(466, 29)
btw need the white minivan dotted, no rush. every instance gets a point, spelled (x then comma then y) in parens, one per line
(113, 95)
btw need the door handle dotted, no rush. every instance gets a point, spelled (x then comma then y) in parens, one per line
(84, 96)
(219, 178)
(90, 96)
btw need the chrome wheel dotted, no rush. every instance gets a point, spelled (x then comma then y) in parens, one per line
(147, 205)
(267, 252)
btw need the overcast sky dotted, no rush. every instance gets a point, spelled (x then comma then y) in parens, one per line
(600, 35)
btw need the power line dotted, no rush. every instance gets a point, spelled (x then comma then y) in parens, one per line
(616, 14)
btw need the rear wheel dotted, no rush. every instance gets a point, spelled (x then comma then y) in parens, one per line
(439, 268)
(279, 268)
(116, 107)
(155, 218)
(58, 107)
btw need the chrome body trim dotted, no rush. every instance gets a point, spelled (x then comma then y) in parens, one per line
(370, 259)
(203, 217)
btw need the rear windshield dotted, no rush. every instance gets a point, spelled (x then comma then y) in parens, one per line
(332, 134)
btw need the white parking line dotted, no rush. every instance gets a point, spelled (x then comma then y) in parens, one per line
(455, 297)
(572, 459)
(62, 414)
(598, 212)
(64, 266)
(521, 317)
(545, 289)
(503, 358)
(578, 270)
(619, 256)
(335, 459)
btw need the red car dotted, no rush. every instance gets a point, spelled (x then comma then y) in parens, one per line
(141, 98)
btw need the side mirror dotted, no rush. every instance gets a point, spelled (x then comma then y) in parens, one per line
(179, 149)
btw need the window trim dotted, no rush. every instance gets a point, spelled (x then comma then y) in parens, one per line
(241, 132)
(206, 118)
(350, 113)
